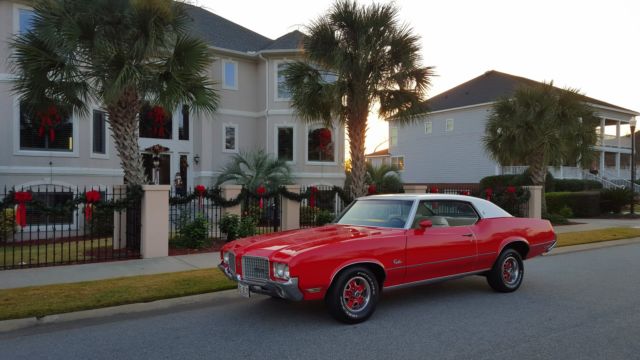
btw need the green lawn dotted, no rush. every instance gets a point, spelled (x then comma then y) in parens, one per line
(57, 299)
(62, 252)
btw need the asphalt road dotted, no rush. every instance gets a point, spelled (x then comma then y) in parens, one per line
(583, 305)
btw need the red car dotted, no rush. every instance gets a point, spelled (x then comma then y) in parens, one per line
(388, 241)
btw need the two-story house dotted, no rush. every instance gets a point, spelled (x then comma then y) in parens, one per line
(254, 113)
(446, 147)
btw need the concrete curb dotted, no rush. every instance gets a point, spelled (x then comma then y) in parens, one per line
(137, 308)
(19, 324)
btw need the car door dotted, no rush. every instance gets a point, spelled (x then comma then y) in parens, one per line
(446, 248)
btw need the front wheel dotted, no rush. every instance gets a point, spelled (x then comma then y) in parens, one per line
(353, 296)
(507, 272)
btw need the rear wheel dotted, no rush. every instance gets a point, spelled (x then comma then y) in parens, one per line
(507, 272)
(353, 296)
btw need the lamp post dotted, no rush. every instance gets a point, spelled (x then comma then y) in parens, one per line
(633, 163)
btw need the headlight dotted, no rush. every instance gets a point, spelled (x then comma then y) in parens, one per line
(225, 257)
(281, 271)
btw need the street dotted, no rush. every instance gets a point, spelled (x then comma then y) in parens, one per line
(583, 305)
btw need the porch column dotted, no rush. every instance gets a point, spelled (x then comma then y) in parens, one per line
(291, 210)
(601, 162)
(618, 163)
(155, 221)
(230, 192)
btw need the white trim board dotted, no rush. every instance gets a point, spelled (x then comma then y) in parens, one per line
(59, 170)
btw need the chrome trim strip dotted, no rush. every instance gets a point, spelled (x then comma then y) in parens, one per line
(544, 243)
(488, 254)
(434, 280)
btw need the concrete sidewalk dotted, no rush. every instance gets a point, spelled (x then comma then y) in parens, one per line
(107, 270)
(596, 224)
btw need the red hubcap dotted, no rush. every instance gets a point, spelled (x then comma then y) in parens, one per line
(510, 271)
(356, 294)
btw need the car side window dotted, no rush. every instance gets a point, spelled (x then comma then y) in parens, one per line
(443, 213)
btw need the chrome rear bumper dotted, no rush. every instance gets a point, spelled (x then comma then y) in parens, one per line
(287, 290)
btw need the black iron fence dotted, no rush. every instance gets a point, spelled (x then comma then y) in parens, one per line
(55, 225)
(514, 200)
(265, 213)
(322, 206)
(192, 215)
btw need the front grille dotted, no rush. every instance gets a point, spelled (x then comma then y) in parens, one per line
(232, 263)
(255, 268)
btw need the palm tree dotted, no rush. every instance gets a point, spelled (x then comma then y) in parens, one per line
(541, 126)
(253, 169)
(116, 54)
(355, 57)
(385, 177)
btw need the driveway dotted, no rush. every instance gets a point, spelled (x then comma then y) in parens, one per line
(582, 305)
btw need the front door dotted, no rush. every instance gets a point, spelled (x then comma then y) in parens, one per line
(448, 247)
(165, 168)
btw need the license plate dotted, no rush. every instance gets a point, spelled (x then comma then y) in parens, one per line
(244, 291)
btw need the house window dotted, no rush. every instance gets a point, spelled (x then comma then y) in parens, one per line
(285, 143)
(25, 19)
(320, 144)
(428, 127)
(99, 132)
(55, 198)
(449, 125)
(393, 136)
(230, 133)
(183, 125)
(283, 92)
(230, 75)
(398, 162)
(155, 122)
(47, 131)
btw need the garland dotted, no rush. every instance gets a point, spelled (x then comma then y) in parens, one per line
(91, 200)
(215, 195)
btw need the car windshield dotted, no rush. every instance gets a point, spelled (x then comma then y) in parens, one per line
(381, 213)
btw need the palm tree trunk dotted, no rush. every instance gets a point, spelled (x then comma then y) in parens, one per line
(538, 170)
(357, 128)
(123, 117)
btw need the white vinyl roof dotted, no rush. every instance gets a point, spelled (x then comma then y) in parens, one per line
(486, 208)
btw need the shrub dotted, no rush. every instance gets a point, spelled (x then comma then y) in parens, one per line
(7, 223)
(324, 217)
(556, 219)
(248, 226)
(574, 185)
(613, 200)
(583, 204)
(194, 234)
(229, 225)
(524, 179)
(566, 212)
(315, 216)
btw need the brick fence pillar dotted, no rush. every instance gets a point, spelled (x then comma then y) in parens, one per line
(415, 189)
(291, 210)
(155, 221)
(535, 201)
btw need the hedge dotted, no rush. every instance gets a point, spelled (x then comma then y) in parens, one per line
(583, 204)
(551, 185)
(574, 185)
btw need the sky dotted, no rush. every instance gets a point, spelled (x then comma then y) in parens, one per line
(593, 46)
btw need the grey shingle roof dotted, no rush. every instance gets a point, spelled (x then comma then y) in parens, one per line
(489, 87)
(222, 33)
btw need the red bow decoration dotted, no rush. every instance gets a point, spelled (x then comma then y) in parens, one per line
(261, 190)
(434, 190)
(511, 189)
(157, 115)
(48, 122)
(488, 192)
(200, 190)
(372, 189)
(22, 197)
(312, 198)
(91, 197)
(464, 192)
(324, 138)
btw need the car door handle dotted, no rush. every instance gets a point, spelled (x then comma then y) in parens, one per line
(468, 235)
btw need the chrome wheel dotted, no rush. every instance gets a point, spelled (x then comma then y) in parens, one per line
(510, 271)
(356, 294)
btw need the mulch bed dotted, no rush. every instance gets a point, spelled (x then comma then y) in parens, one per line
(215, 247)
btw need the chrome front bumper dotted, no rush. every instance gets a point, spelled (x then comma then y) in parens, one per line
(287, 290)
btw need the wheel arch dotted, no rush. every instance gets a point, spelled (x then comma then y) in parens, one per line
(375, 266)
(520, 245)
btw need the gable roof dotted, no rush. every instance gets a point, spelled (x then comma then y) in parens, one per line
(384, 152)
(491, 86)
(222, 33)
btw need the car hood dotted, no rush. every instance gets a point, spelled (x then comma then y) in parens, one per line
(296, 241)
